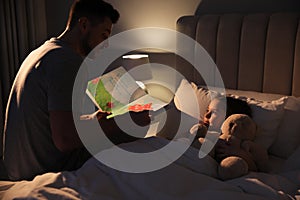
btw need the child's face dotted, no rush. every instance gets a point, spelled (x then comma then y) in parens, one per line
(215, 114)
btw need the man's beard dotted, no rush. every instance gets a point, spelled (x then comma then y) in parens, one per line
(86, 48)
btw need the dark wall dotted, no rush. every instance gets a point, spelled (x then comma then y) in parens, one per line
(134, 13)
(57, 12)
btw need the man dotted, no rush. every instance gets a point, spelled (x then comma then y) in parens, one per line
(39, 134)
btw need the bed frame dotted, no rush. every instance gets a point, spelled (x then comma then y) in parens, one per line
(253, 50)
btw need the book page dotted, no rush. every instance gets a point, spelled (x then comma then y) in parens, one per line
(117, 92)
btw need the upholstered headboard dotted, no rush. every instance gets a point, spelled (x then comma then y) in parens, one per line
(257, 52)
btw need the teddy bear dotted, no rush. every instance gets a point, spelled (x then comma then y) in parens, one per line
(238, 130)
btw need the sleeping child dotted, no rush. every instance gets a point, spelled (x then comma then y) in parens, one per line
(223, 115)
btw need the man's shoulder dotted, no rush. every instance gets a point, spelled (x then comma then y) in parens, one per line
(59, 47)
(55, 50)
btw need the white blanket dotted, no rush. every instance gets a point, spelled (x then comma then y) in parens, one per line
(187, 178)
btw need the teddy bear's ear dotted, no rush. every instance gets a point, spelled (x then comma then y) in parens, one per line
(228, 126)
(240, 125)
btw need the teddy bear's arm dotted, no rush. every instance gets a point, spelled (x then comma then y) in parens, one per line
(224, 150)
(259, 154)
(249, 159)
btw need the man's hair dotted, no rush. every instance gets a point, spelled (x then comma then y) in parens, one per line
(94, 10)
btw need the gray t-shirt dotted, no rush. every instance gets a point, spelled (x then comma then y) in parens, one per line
(44, 82)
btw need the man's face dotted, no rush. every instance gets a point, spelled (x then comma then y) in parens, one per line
(95, 34)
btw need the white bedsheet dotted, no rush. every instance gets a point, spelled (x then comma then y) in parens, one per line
(187, 178)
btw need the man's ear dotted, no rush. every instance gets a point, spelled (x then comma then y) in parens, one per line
(83, 24)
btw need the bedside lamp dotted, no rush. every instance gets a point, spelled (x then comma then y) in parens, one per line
(150, 77)
(139, 67)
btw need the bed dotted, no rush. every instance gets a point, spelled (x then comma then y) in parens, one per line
(258, 56)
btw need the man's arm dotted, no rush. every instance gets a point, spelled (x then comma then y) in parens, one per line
(66, 138)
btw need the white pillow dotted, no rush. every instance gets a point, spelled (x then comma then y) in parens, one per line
(267, 115)
(204, 97)
(288, 139)
(193, 100)
(293, 161)
(255, 95)
(185, 99)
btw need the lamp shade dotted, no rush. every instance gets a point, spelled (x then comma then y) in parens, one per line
(138, 66)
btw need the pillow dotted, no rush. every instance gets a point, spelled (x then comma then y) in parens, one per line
(204, 97)
(187, 101)
(268, 112)
(288, 139)
(267, 115)
(255, 95)
(293, 161)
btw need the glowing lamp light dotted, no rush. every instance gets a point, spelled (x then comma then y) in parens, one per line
(135, 56)
(131, 63)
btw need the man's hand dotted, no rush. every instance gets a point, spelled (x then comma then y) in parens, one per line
(98, 114)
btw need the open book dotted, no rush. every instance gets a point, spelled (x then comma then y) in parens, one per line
(117, 92)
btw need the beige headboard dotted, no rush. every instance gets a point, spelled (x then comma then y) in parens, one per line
(257, 52)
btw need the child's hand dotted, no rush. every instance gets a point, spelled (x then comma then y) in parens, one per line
(199, 130)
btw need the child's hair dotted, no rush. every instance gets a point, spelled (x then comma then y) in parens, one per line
(236, 106)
